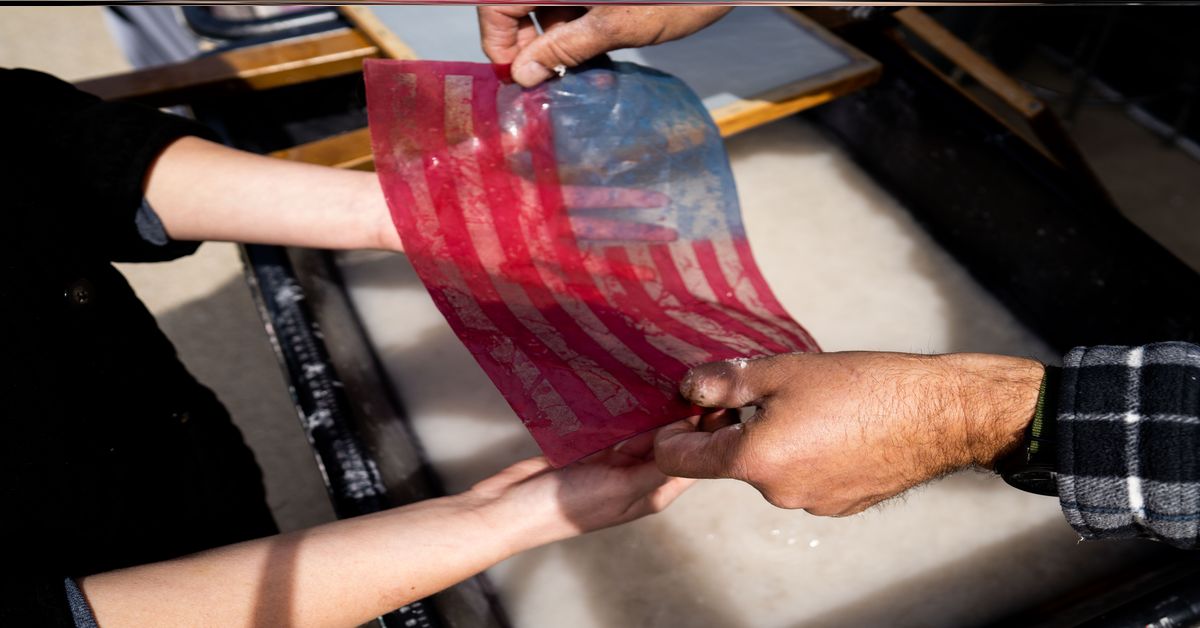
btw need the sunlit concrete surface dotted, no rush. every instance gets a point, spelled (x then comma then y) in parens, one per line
(69, 42)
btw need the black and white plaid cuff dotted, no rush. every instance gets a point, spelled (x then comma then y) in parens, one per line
(1129, 439)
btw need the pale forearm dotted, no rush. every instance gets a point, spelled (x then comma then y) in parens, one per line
(340, 574)
(205, 191)
(345, 573)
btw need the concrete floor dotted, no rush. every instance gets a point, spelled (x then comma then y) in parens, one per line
(31, 37)
(203, 305)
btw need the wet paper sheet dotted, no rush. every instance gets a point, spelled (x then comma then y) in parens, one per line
(583, 238)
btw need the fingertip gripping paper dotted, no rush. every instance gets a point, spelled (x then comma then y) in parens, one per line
(582, 238)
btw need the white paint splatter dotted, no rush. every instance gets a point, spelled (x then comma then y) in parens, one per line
(313, 369)
(288, 294)
(320, 418)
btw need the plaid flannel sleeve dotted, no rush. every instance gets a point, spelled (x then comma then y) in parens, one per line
(1129, 439)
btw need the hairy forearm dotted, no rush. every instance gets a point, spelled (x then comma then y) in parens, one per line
(835, 433)
(339, 574)
(205, 191)
(998, 395)
(959, 409)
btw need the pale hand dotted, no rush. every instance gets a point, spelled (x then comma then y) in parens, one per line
(607, 489)
(836, 433)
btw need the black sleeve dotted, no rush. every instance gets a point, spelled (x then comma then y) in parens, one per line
(35, 600)
(78, 164)
(1129, 442)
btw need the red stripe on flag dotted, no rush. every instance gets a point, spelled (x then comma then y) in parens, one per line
(637, 301)
(442, 190)
(503, 374)
(674, 283)
(503, 209)
(767, 297)
(580, 282)
(540, 133)
(709, 263)
(504, 364)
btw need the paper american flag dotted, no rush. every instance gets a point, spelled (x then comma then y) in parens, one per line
(583, 238)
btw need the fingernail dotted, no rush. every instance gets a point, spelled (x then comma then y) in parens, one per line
(531, 74)
(688, 385)
(709, 385)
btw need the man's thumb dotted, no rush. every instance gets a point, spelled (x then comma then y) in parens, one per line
(567, 44)
(733, 383)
